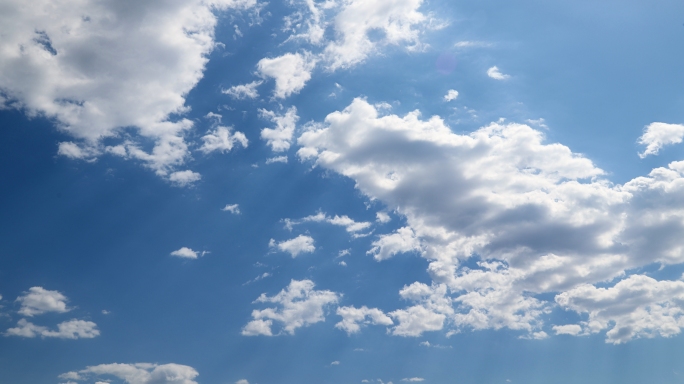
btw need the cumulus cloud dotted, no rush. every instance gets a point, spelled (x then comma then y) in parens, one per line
(452, 94)
(353, 318)
(280, 137)
(39, 300)
(297, 305)
(658, 135)
(221, 139)
(72, 329)
(244, 91)
(402, 241)
(138, 373)
(350, 225)
(528, 216)
(433, 307)
(96, 68)
(300, 244)
(382, 217)
(184, 178)
(413, 379)
(277, 159)
(290, 71)
(232, 208)
(187, 253)
(496, 74)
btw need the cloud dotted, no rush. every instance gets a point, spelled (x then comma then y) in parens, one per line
(658, 135)
(243, 381)
(280, 137)
(349, 224)
(220, 139)
(495, 74)
(232, 208)
(297, 305)
(431, 311)
(402, 241)
(472, 44)
(569, 329)
(527, 217)
(184, 178)
(244, 91)
(72, 329)
(353, 318)
(97, 68)
(140, 373)
(39, 300)
(277, 159)
(335, 363)
(300, 244)
(291, 72)
(395, 20)
(187, 253)
(413, 379)
(451, 95)
(382, 217)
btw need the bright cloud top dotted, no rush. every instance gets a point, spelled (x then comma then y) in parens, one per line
(452, 94)
(290, 71)
(321, 217)
(187, 253)
(72, 329)
(297, 305)
(658, 135)
(496, 74)
(534, 217)
(280, 137)
(295, 247)
(39, 300)
(139, 373)
(96, 67)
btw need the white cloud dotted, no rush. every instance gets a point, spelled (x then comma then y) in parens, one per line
(187, 253)
(472, 44)
(96, 68)
(568, 329)
(541, 216)
(349, 224)
(452, 94)
(335, 363)
(300, 244)
(433, 307)
(232, 208)
(394, 19)
(403, 240)
(184, 178)
(243, 381)
(496, 74)
(141, 373)
(382, 217)
(291, 72)
(39, 300)
(297, 305)
(244, 91)
(658, 135)
(413, 379)
(72, 329)
(220, 139)
(277, 159)
(353, 318)
(280, 137)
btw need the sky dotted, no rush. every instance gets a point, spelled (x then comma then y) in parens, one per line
(341, 191)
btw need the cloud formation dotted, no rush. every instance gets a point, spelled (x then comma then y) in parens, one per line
(496, 74)
(297, 305)
(72, 329)
(658, 135)
(280, 137)
(138, 373)
(300, 244)
(529, 217)
(97, 68)
(39, 300)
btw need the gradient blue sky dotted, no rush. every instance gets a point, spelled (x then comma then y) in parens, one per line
(341, 191)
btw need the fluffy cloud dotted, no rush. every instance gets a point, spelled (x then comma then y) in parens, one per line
(39, 300)
(184, 178)
(452, 94)
(220, 139)
(297, 305)
(352, 318)
(140, 373)
(72, 329)
(433, 307)
(638, 306)
(187, 253)
(658, 135)
(349, 224)
(97, 67)
(403, 240)
(496, 74)
(300, 244)
(244, 91)
(529, 217)
(280, 137)
(291, 72)
(232, 208)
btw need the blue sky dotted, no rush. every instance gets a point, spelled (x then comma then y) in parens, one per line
(250, 192)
